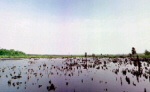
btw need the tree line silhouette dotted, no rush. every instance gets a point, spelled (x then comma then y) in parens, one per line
(11, 52)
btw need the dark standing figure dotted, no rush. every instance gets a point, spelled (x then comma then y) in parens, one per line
(85, 54)
(133, 51)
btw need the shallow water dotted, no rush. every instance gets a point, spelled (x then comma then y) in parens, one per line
(73, 75)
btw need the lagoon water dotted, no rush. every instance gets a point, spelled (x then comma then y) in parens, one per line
(73, 75)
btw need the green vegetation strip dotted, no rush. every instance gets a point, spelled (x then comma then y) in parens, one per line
(4, 53)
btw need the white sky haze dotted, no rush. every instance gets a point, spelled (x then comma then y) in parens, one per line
(75, 26)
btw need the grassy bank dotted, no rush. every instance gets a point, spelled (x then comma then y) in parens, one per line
(50, 56)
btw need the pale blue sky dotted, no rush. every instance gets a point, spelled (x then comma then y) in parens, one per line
(75, 26)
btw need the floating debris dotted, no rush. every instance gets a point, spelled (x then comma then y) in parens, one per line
(145, 90)
(52, 87)
(134, 84)
(9, 82)
(50, 82)
(128, 80)
(124, 72)
(44, 65)
(16, 77)
(40, 86)
(67, 83)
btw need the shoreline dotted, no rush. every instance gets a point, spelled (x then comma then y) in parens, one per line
(133, 58)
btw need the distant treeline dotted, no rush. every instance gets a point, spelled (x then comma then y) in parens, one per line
(11, 52)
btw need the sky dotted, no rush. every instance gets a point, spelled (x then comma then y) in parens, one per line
(75, 26)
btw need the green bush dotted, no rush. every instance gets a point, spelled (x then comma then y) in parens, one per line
(147, 52)
(11, 52)
(93, 55)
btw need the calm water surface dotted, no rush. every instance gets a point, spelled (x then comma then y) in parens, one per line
(74, 75)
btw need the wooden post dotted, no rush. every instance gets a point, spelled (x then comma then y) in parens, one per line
(139, 64)
(86, 58)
